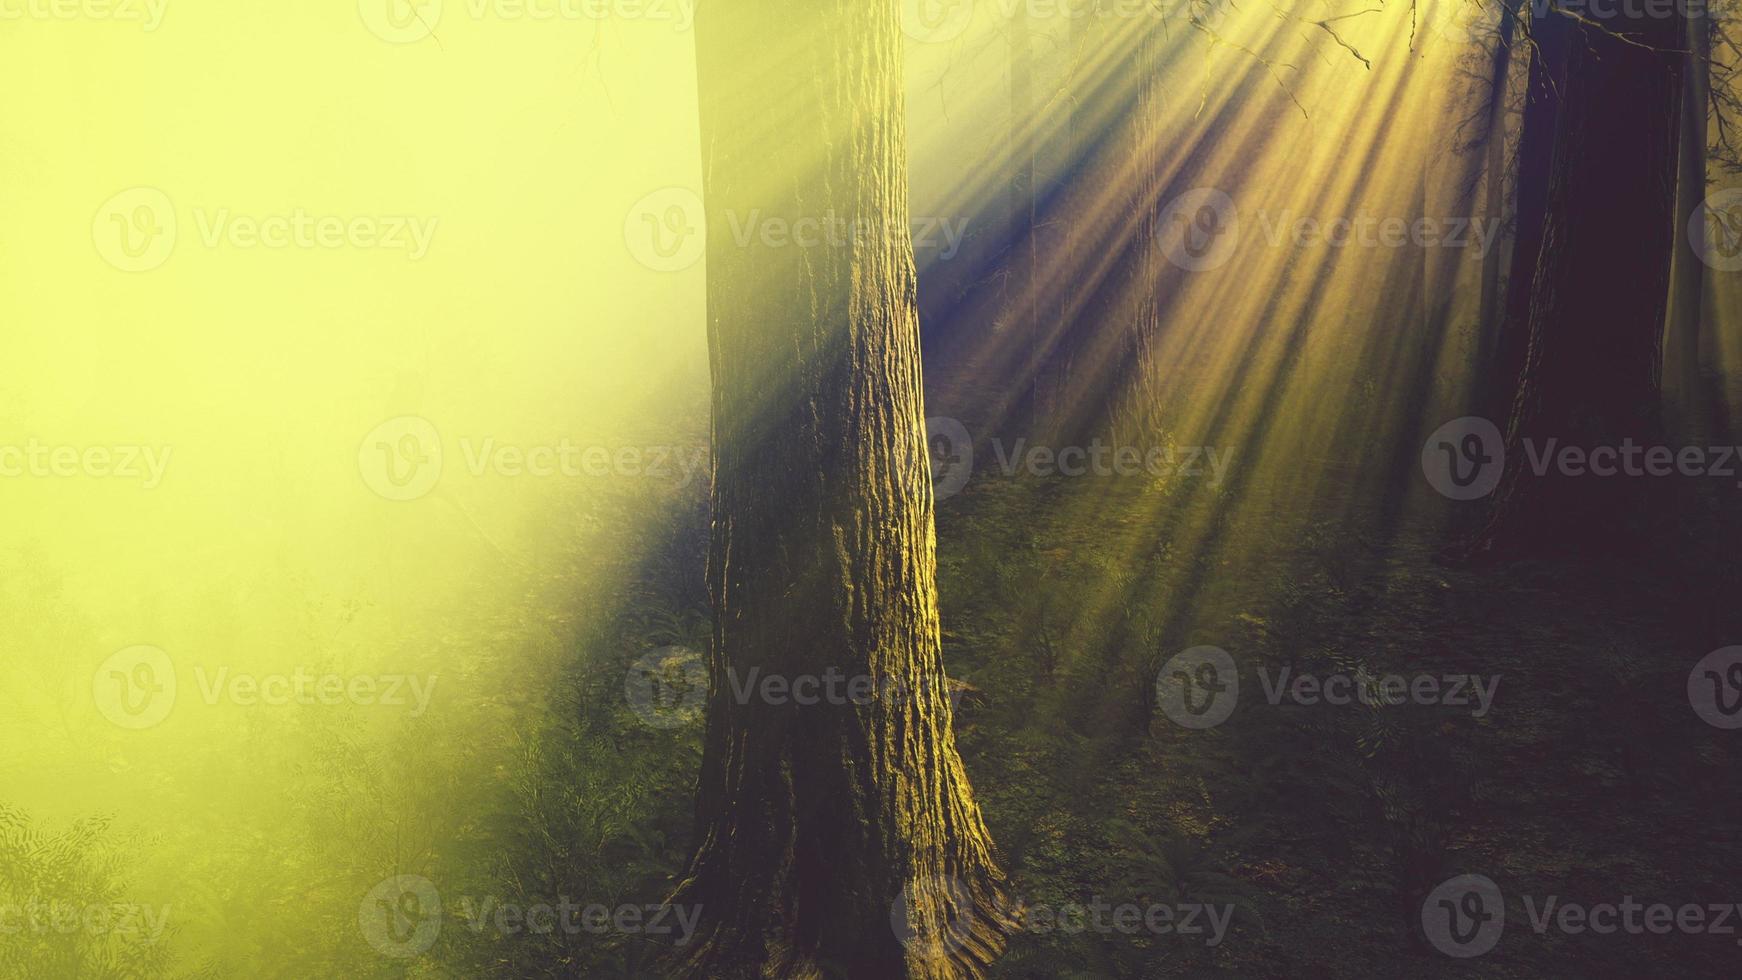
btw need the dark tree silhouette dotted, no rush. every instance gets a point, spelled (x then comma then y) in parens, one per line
(1592, 355)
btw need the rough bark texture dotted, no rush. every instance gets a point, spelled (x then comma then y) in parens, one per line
(817, 819)
(1142, 391)
(1591, 374)
(1545, 91)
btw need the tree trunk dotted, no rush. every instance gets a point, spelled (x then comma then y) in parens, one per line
(1688, 281)
(1495, 169)
(1022, 267)
(1137, 395)
(818, 819)
(1546, 90)
(1593, 357)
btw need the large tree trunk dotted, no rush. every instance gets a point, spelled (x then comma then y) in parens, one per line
(1593, 357)
(818, 819)
(1545, 91)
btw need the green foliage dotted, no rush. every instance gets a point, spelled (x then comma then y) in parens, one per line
(65, 910)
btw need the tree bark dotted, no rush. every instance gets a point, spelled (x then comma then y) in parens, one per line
(1495, 169)
(1688, 281)
(816, 819)
(1137, 396)
(1546, 89)
(1592, 366)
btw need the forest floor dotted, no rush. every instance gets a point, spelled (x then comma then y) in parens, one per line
(1581, 776)
(1589, 778)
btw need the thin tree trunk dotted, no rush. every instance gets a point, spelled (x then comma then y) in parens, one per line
(1500, 80)
(1688, 280)
(1593, 360)
(1023, 265)
(817, 819)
